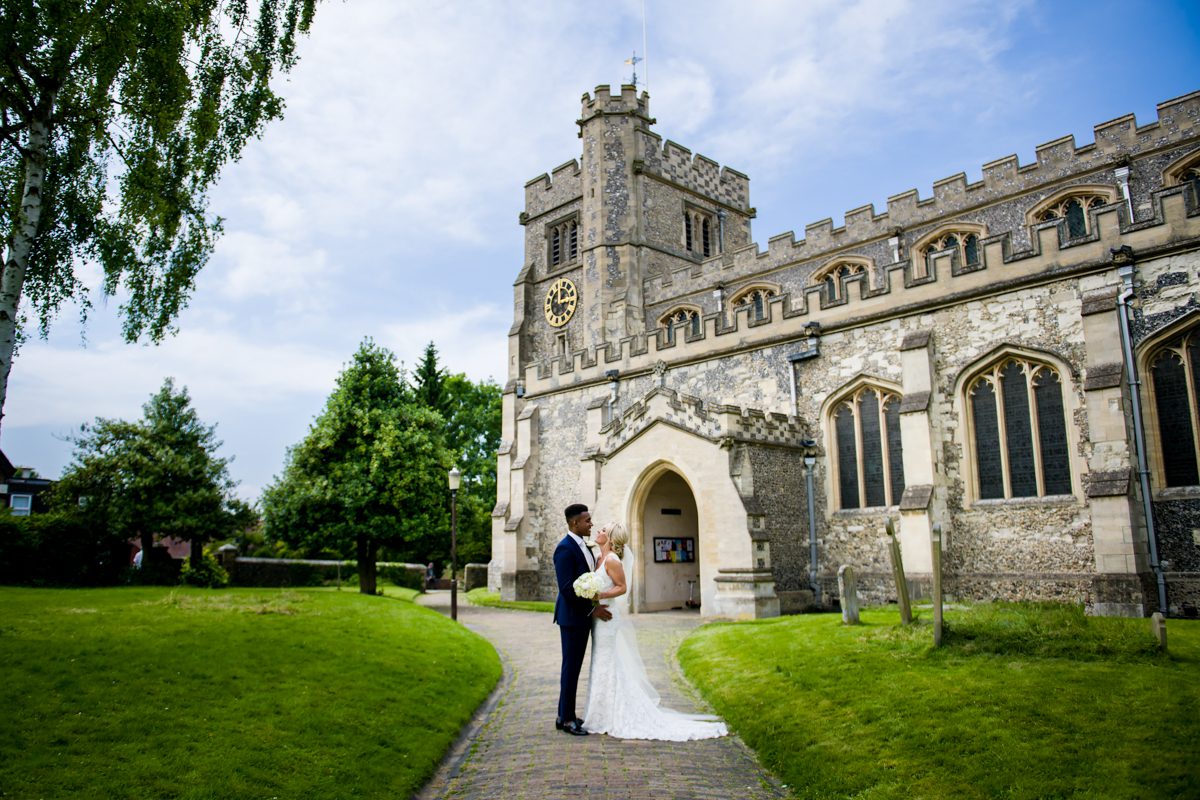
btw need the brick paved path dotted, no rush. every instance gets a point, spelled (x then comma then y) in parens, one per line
(511, 751)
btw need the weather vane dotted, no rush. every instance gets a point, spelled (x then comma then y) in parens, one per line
(634, 62)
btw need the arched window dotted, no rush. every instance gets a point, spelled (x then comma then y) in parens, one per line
(865, 426)
(1018, 430)
(1174, 368)
(757, 298)
(960, 243)
(563, 237)
(680, 316)
(1185, 172)
(698, 237)
(831, 277)
(1073, 205)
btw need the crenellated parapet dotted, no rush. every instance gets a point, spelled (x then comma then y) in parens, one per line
(1116, 142)
(787, 316)
(547, 192)
(677, 165)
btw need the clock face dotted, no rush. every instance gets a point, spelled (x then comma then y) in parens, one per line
(561, 299)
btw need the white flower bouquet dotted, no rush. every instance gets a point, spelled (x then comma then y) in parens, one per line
(587, 586)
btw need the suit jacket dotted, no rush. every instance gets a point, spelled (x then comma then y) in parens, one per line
(569, 564)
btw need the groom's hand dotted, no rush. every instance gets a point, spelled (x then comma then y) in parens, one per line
(602, 612)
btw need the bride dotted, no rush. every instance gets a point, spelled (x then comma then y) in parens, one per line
(621, 702)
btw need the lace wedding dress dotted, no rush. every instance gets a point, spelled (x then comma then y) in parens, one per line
(621, 701)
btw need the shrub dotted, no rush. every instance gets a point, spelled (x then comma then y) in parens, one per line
(404, 575)
(60, 548)
(207, 575)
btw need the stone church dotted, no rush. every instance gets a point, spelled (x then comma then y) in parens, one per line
(1015, 360)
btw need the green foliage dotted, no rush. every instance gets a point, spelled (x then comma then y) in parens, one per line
(369, 474)
(277, 574)
(60, 548)
(118, 116)
(404, 577)
(256, 693)
(1021, 701)
(208, 574)
(472, 413)
(157, 476)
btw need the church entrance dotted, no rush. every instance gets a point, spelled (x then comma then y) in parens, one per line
(669, 546)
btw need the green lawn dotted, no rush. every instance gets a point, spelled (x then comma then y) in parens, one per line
(482, 597)
(185, 693)
(1021, 702)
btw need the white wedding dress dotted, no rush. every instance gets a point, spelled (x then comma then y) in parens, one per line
(621, 702)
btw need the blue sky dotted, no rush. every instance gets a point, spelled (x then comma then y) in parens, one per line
(385, 204)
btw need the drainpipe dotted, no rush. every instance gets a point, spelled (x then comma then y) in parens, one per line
(1123, 258)
(1122, 176)
(809, 461)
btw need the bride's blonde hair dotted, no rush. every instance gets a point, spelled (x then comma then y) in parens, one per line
(618, 537)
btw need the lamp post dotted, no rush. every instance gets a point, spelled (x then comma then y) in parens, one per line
(455, 478)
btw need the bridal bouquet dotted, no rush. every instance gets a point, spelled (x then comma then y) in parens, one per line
(587, 586)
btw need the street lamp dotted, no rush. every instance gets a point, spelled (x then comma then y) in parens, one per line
(455, 478)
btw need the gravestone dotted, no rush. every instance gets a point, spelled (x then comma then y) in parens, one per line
(898, 574)
(848, 591)
(1158, 626)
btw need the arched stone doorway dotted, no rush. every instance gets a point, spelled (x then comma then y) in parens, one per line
(668, 543)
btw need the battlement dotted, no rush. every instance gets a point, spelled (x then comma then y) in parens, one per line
(1003, 267)
(606, 103)
(550, 190)
(1117, 142)
(675, 163)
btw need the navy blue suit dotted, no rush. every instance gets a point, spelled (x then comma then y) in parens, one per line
(573, 615)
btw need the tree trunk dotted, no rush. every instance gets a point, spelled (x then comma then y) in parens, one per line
(147, 545)
(197, 550)
(20, 242)
(366, 564)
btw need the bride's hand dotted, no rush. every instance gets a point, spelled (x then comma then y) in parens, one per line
(602, 612)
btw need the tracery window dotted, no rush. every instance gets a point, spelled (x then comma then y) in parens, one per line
(869, 458)
(757, 298)
(699, 237)
(1018, 430)
(1175, 377)
(564, 242)
(831, 277)
(1073, 206)
(1185, 172)
(962, 245)
(679, 316)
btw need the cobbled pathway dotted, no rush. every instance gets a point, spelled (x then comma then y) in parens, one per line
(511, 751)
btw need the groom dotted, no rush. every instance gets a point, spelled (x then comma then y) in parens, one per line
(573, 614)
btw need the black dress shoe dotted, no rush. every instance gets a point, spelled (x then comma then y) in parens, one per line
(575, 728)
(559, 724)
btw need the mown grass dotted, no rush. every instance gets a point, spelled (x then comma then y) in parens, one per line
(186, 693)
(482, 597)
(1022, 701)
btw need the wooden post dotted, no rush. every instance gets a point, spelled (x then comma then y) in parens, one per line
(936, 544)
(898, 573)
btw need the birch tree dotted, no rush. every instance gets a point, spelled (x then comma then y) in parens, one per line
(117, 118)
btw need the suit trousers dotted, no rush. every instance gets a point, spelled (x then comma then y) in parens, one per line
(574, 644)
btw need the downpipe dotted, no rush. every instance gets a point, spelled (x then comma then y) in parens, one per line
(1126, 269)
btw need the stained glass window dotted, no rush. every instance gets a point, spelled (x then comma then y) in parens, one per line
(870, 464)
(706, 237)
(687, 231)
(971, 248)
(1019, 431)
(1076, 226)
(1175, 372)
